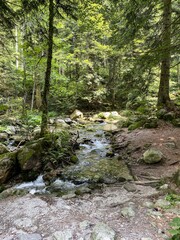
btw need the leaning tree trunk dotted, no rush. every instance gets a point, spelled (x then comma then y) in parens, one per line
(44, 122)
(163, 94)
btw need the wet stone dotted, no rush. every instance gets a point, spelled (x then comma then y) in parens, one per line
(69, 196)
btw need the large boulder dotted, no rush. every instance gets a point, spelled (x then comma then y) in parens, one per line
(152, 155)
(30, 156)
(8, 166)
(76, 114)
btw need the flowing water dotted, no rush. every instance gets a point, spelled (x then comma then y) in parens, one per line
(93, 147)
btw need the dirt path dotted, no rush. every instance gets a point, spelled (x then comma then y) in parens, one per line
(132, 145)
(130, 214)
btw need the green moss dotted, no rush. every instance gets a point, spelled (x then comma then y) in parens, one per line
(74, 159)
(176, 122)
(25, 155)
(136, 125)
(143, 109)
(8, 155)
(100, 171)
(2, 188)
(3, 108)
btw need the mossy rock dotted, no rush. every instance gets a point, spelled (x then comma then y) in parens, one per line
(169, 116)
(2, 188)
(176, 122)
(160, 113)
(29, 157)
(151, 123)
(136, 125)
(104, 115)
(13, 192)
(152, 155)
(74, 159)
(3, 149)
(8, 166)
(104, 170)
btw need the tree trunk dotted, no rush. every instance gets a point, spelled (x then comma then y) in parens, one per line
(38, 96)
(178, 72)
(33, 90)
(44, 123)
(17, 48)
(163, 94)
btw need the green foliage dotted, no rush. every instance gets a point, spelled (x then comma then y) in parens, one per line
(175, 229)
(32, 119)
(173, 198)
(106, 57)
(3, 108)
(52, 114)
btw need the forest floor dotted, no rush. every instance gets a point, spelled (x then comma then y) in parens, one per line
(135, 211)
(132, 145)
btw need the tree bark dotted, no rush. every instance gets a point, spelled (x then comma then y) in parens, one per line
(178, 72)
(17, 47)
(163, 94)
(44, 123)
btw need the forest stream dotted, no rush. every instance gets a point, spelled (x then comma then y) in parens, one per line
(94, 166)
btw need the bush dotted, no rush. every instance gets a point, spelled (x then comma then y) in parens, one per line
(175, 229)
(3, 109)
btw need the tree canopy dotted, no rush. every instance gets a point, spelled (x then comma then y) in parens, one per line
(105, 54)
